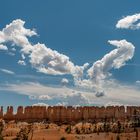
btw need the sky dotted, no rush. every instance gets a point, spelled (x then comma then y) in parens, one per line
(69, 52)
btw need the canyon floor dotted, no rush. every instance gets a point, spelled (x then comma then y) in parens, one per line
(51, 131)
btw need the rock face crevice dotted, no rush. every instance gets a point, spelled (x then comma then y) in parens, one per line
(69, 113)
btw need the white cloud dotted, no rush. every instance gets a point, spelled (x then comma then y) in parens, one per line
(23, 56)
(40, 104)
(7, 71)
(49, 61)
(99, 72)
(3, 47)
(113, 104)
(64, 81)
(13, 49)
(61, 104)
(44, 97)
(99, 94)
(21, 62)
(42, 92)
(114, 59)
(42, 58)
(70, 96)
(17, 34)
(138, 82)
(11, 53)
(129, 22)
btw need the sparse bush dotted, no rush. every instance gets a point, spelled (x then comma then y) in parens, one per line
(63, 138)
(98, 133)
(68, 129)
(47, 127)
(1, 129)
(119, 127)
(77, 137)
(118, 137)
(23, 134)
(1, 138)
(77, 131)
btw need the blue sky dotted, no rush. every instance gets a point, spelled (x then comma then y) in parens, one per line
(78, 29)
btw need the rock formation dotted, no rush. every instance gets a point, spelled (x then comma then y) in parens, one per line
(69, 113)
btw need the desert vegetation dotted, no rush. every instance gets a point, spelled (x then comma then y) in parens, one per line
(82, 130)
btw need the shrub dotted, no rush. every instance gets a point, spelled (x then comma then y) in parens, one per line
(77, 131)
(63, 138)
(118, 137)
(68, 129)
(23, 134)
(1, 138)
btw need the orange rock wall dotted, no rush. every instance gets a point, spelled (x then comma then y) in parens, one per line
(69, 114)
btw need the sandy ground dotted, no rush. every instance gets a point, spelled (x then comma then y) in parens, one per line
(51, 134)
(102, 136)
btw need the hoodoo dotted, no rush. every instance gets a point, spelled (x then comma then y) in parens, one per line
(69, 113)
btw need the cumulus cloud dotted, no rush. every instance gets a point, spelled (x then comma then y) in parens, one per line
(99, 73)
(23, 56)
(3, 47)
(13, 49)
(7, 71)
(114, 59)
(99, 94)
(41, 57)
(129, 22)
(50, 61)
(17, 34)
(21, 62)
(64, 81)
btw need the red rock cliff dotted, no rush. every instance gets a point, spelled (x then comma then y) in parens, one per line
(69, 114)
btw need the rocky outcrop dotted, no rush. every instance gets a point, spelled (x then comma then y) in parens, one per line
(69, 113)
